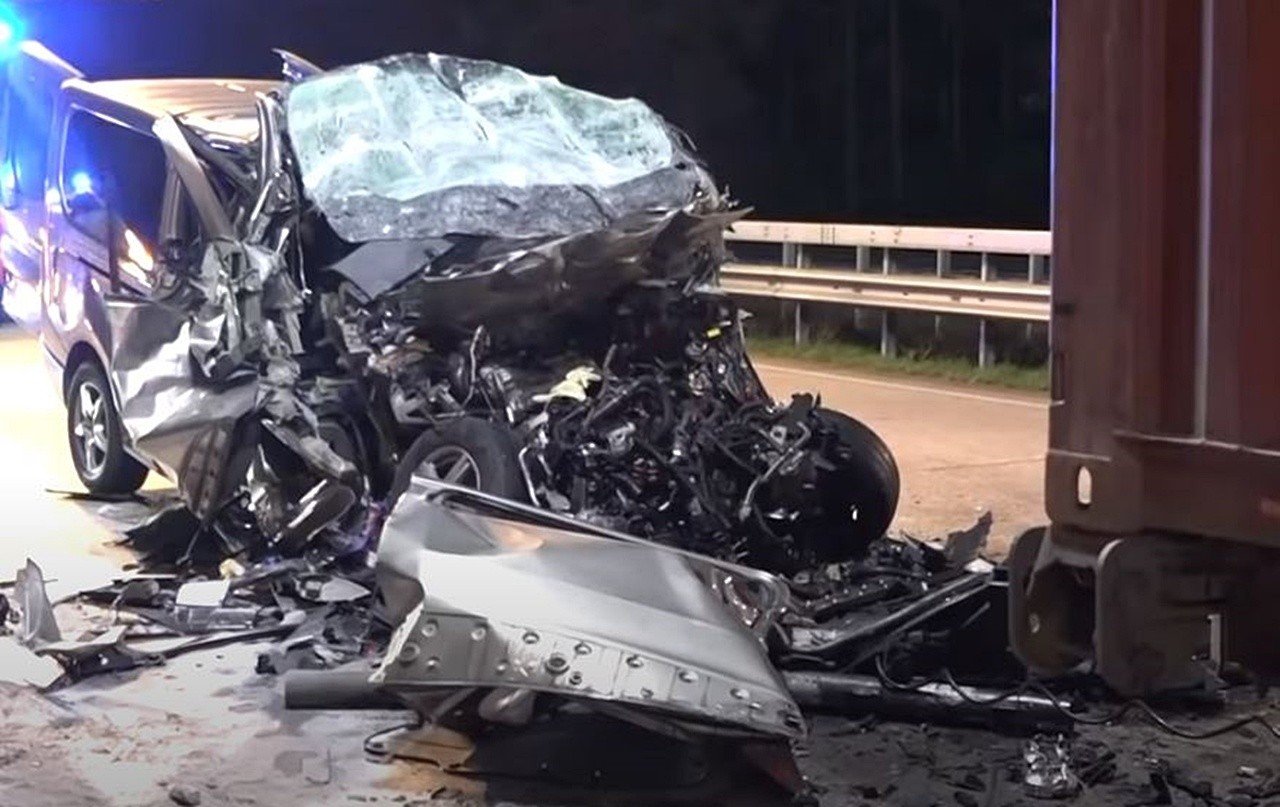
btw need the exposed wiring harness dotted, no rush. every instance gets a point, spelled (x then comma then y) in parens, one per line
(1030, 684)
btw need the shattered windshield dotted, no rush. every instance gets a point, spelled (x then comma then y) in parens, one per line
(420, 146)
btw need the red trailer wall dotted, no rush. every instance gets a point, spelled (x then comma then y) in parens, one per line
(1166, 283)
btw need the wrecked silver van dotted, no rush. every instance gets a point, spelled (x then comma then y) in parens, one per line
(423, 265)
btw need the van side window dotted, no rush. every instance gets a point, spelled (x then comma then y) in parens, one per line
(106, 165)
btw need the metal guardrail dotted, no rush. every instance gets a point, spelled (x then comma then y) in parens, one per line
(883, 287)
(1006, 242)
(989, 299)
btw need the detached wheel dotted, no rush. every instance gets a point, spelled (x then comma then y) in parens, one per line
(96, 438)
(860, 494)
(470, 452)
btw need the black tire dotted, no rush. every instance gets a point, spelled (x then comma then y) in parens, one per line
(489, 446)
(102, 463)
(867, 479)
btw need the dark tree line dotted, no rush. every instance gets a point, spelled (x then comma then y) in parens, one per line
(854, 110)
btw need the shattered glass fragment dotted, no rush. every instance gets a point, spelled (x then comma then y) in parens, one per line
(1047, 768)
(329, 588)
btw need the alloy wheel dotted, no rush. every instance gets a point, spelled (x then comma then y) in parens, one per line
(90, 428)
(451, 464)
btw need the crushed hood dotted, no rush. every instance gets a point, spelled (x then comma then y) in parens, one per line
(424, 146)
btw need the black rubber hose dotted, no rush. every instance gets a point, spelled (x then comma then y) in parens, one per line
(685, 483)
(842, 693)
(335, 689)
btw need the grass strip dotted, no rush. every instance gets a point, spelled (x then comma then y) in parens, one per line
(862, 357)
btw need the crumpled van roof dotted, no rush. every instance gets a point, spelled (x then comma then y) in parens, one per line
(219, 106)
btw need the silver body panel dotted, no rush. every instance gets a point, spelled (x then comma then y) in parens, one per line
(505, 603)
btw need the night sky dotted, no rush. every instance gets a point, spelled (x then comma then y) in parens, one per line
(905, 111)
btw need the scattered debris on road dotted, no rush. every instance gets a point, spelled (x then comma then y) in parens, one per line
(454, 616)
(185, 796)
(469, 628)
(1049, 773)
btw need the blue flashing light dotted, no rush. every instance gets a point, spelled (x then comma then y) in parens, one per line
(81, 183)
(12, 31)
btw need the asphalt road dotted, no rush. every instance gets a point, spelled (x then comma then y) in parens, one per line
(34, 459)
(960, 451)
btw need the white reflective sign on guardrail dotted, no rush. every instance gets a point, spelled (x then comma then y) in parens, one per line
(952, 239)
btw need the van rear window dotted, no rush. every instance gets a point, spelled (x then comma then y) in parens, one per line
(27, 143)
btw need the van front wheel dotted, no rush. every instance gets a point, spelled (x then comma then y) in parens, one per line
(96, 438)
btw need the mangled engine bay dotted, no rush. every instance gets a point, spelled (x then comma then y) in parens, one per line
(643, 415)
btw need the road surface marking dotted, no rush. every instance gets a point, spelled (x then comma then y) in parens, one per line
(964, 466)
(908, 387)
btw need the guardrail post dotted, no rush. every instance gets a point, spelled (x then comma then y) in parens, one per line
(886, 264)
(986, 266)
(986, 355)
(863, 258)
(1035, 268)
(1035, 274)
(789, 254)
(942, 264)
(798, 334)
(888, 334)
